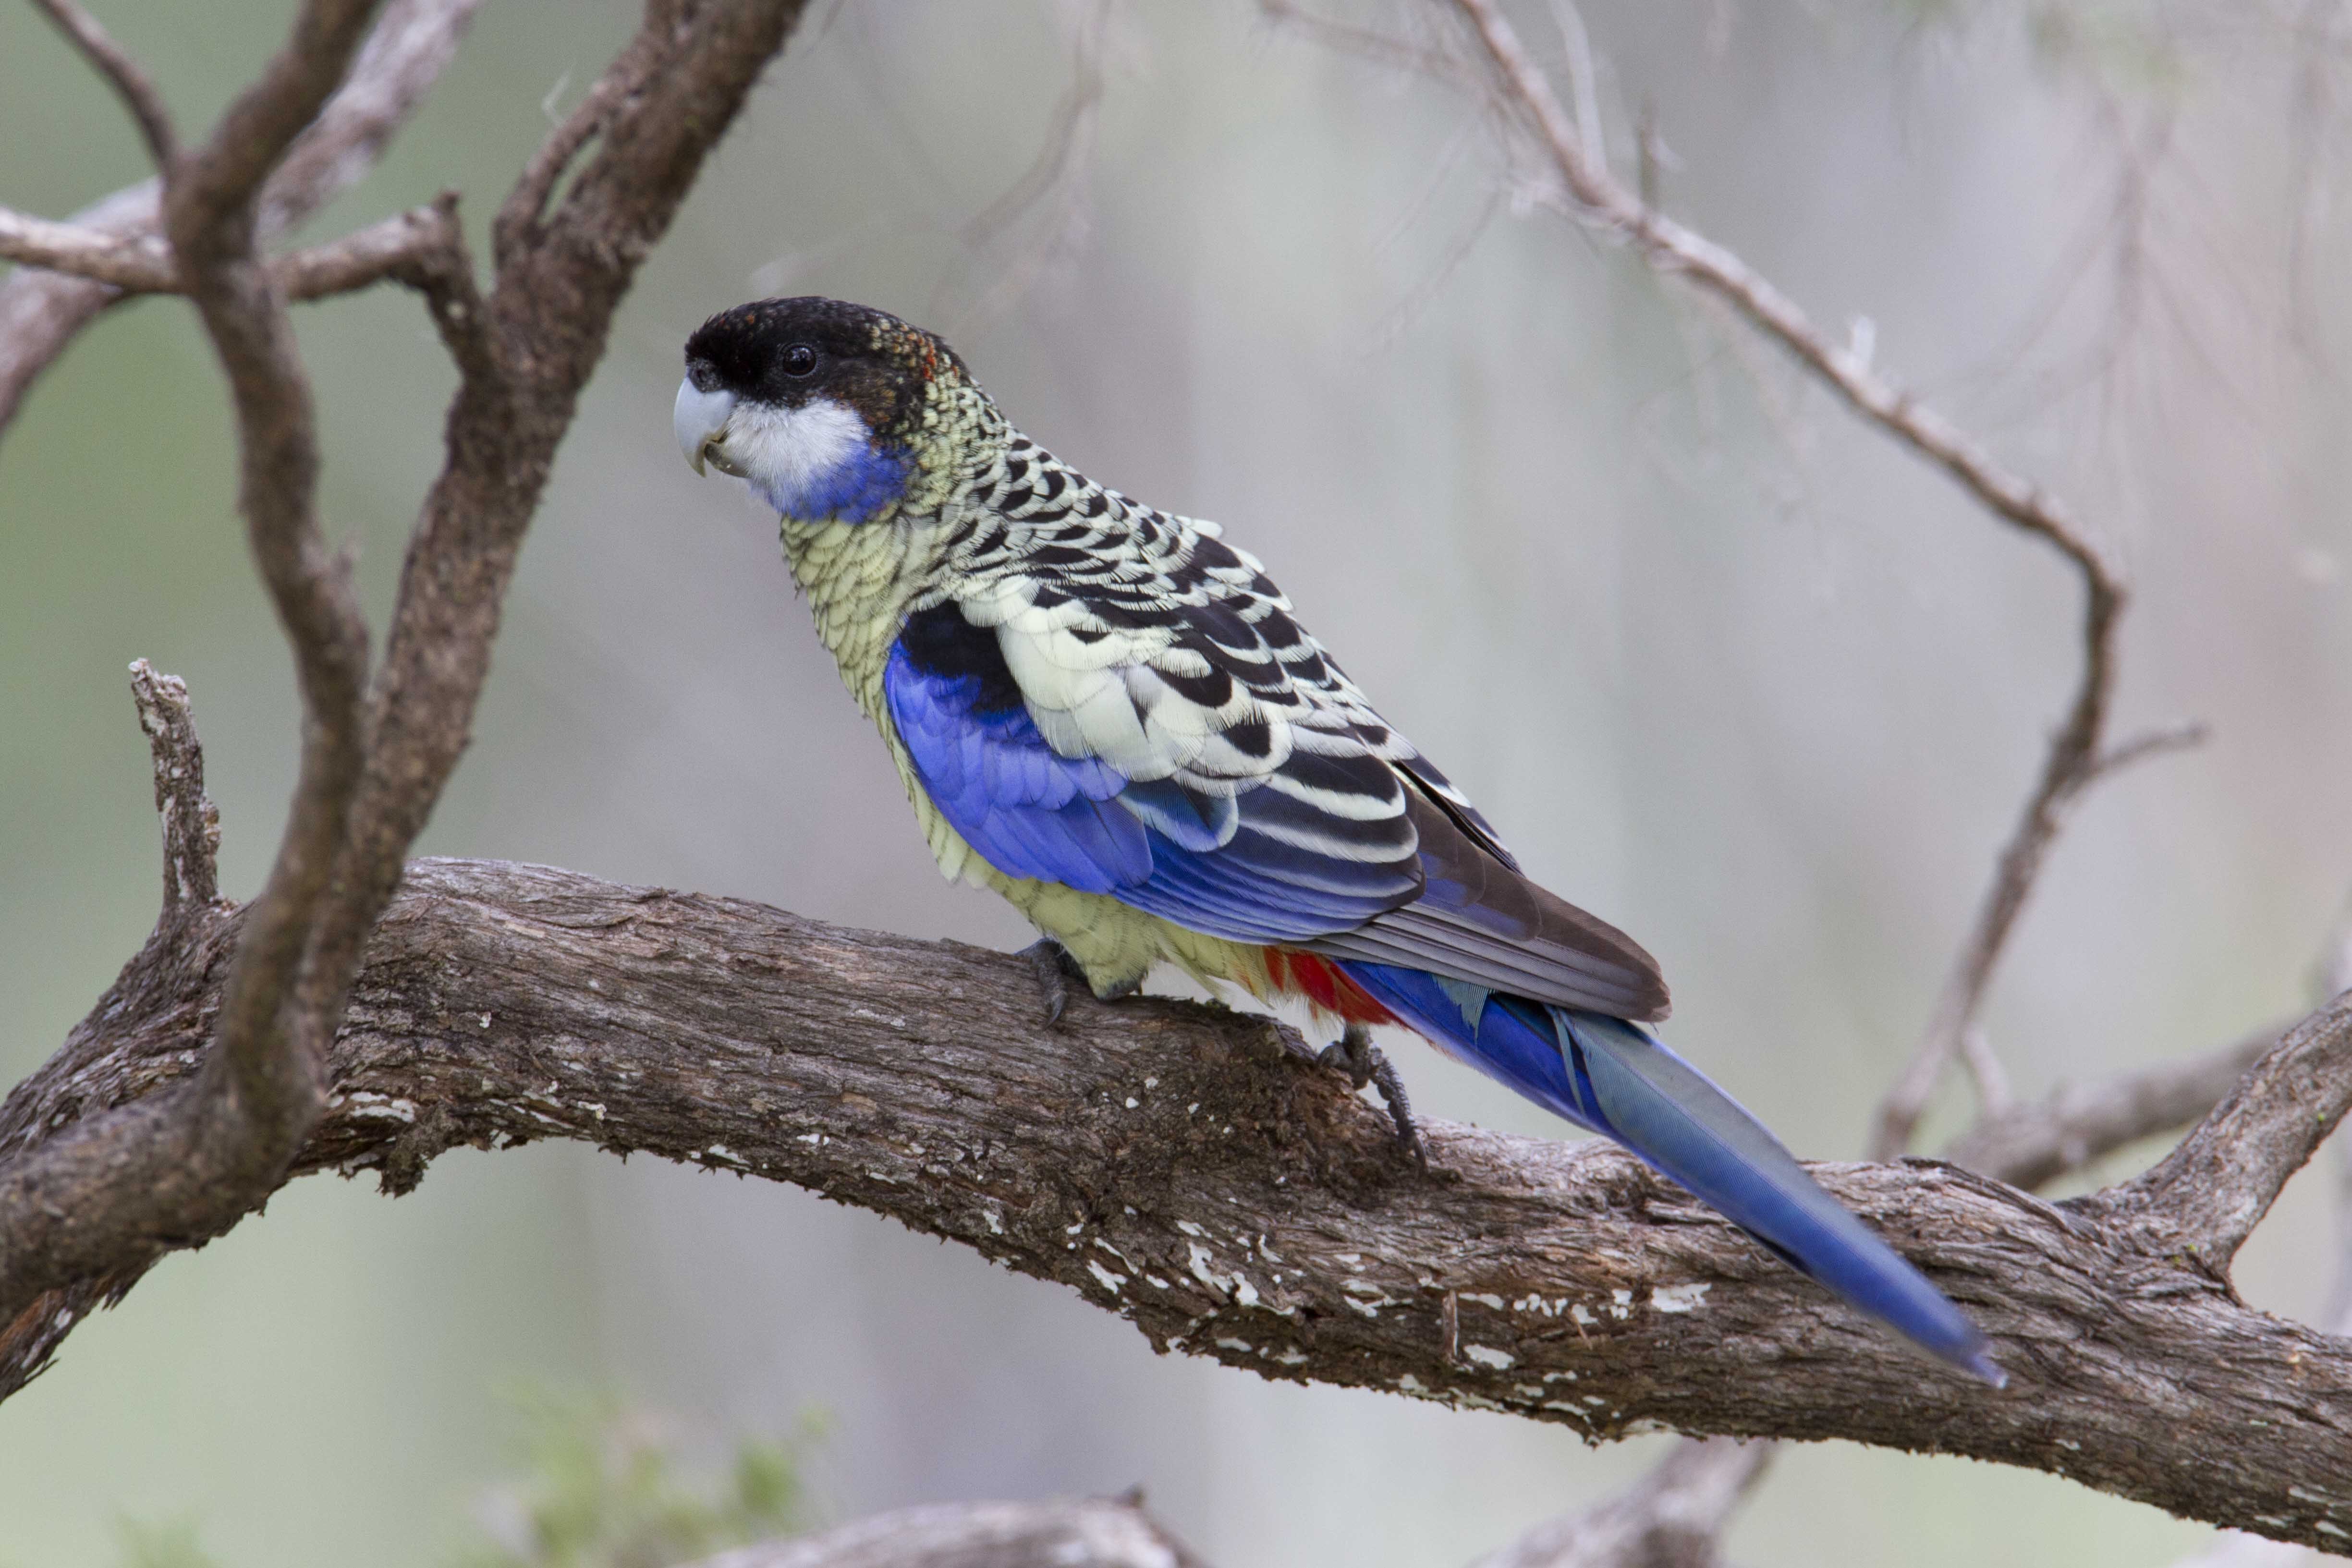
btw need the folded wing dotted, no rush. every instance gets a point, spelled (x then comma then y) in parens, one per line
(1211, 767)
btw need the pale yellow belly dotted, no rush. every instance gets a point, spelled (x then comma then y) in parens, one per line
(1115, 944)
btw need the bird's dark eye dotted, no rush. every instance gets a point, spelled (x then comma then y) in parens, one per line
(800, 359)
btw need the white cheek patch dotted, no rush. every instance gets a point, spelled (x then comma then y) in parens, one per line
(793, 454)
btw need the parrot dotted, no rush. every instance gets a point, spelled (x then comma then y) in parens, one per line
(1111, 717)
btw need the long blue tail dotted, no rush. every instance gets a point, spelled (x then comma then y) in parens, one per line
(1615, 1078)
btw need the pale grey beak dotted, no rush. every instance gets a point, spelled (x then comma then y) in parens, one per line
(699, 420)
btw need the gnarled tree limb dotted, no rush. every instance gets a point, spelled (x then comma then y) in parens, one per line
(85, 1212)
(103, 1200)
(1192, 1170)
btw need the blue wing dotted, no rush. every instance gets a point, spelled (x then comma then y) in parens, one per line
(1206, 764)
(1269, 863)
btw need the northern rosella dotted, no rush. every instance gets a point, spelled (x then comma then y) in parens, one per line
(1108, 716)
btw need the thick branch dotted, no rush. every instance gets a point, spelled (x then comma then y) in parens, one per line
(81, 1216)
(1095, 1533)
(41, 312)
(1246, 1207)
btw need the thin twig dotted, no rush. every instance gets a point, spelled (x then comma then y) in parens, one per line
(191, 821)
(1672, 1515)
(137, 262)
(141, 263)
(41, 312)
(1993, 1092)
(1593, 196)
(130, 83)
(2033, 1146)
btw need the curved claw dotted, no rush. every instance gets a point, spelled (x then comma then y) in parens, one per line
(1354, 1054)
(1055, 969)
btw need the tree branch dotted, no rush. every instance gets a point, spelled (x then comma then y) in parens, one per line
(131, 84)
(104, 1201)
(1095, 1532)
(656, 112)
(2032, 1145)
(134, 262)
(2207, 1195)
(1246, 1206)
(1586, 190)
(83, 1214)
(41, 311)
(1671, 1518)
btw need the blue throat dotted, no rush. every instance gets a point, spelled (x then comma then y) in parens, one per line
(854, 490)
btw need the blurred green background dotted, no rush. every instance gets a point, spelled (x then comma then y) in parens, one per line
(1725, 667)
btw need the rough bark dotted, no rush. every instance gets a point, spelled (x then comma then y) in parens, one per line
(1189, 1169)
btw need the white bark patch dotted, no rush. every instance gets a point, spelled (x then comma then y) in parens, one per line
(1110, 1280)
(361, 1102)
(1488, 1356)
(1687, 1298)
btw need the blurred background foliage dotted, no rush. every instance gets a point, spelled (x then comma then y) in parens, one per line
(1727, 668)
(604, 1487)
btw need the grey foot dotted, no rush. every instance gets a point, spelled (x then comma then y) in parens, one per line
(1055, 969)
(1058, 971)
(1354, 1054)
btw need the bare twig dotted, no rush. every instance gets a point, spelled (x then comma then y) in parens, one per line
(1672, 1517)
(2076, 1123)
(191, 821)
(130, 82)
(136, 262)
(132, 260)
(2150, 743)
(1993, 1092)
(1095, 1532)
(41, 312)
(1589, 192)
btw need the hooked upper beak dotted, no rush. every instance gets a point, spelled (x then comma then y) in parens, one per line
(699, 420)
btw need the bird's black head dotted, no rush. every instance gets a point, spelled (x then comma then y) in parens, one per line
(815, 401)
